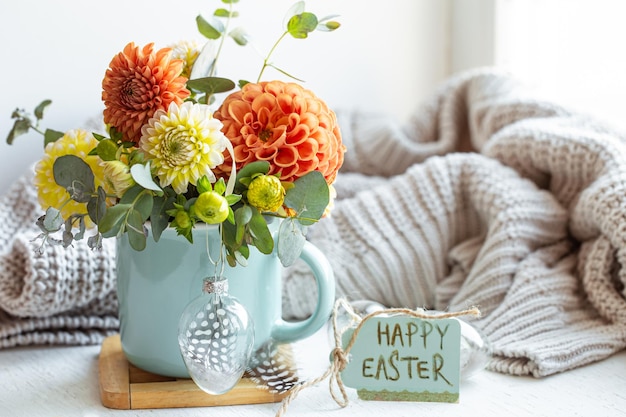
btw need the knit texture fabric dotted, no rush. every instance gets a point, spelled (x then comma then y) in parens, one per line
(62, 296)
(488, 197)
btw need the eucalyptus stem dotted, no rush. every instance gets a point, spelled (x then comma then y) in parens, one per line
(267, 58)
(223, 37)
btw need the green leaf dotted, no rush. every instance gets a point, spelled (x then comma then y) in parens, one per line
(53, 220)
(159, 218)
(135, 230)
(309, 197)
(326, 24)
(211, 85)
(290, 241)
(131, 194)
(221, 12)
(107, 150)
(300, 25)
(143, 176)
(81, 229)
(233, 199)
(240, 36)
(243, 215)
(113, 219)
(75, 175)
(20, 127)
(261, 236)
(220, 186)
(50, 136)
(39, 110)
(256, 167)
(204, 185)
(144, 204)
(97, 206)
(212, 30)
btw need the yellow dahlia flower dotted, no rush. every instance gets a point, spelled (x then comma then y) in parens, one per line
(74, 142)
(184, 144)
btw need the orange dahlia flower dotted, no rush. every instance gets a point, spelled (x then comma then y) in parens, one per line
(284, 124)
(139, 82)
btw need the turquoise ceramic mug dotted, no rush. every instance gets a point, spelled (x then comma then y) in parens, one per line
(155, 285)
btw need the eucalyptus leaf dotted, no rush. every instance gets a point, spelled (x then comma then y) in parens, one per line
(80, 192)
(309, 197)
(329, 26)
(20, 127)
(113, 220)
(135, 230)
(291, 240)
(81, 228)
(211, 85)
(221, 12)
(300, 25)
(210, 30)
(261, 236)
(97, 206)
(95, 241)
(240, 36)
(143, 176)
(131, 194)
(143, 204)
(159, 219)
(39, 110)
(243, 215)
(51, 136)
(71, 172)
(53, 220)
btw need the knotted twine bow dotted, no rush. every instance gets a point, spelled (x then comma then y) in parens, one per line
(340, 355)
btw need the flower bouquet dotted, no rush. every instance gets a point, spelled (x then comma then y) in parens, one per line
(168, 158)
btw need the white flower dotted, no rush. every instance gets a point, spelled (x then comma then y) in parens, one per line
(184, 144)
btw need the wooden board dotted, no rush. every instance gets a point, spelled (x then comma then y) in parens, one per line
(124, 386)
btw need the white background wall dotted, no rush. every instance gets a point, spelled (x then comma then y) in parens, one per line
(387, 57)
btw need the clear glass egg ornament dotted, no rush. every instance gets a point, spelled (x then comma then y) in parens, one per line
(215, 336)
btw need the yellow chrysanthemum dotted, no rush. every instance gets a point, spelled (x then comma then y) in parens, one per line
(184, 144)
(75, 142)
(188, 51)
(266, 193)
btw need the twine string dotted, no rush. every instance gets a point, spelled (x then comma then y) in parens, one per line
(340, 355)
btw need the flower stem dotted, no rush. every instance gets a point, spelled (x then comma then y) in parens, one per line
(223, 37)
(267, 58)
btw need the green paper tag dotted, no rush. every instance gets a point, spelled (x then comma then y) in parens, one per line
(404, 358)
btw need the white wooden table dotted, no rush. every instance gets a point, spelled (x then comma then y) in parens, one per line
(63, 382)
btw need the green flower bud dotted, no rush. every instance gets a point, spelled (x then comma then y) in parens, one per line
(182, 219)
(210, 207)
(266, 193)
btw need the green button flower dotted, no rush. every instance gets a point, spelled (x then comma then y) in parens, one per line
(211, 207)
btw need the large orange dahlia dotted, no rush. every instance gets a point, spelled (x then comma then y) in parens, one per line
(139, 82)
(284, 124)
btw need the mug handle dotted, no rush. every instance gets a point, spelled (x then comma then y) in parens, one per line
(286, 332)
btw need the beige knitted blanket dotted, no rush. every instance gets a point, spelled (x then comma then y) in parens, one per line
(529, 225)
(487, 197)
